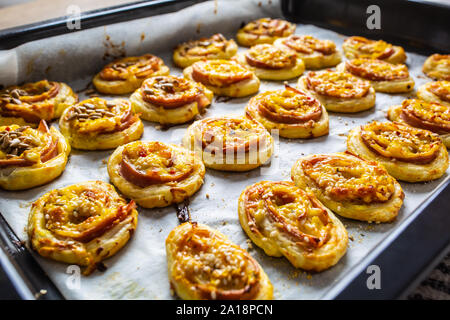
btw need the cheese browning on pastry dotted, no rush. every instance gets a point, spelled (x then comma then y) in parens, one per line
(339, 91)
(230, 143)
(425, 115)
(127, 74)
(360, 47)
(215, 47)
(81, 224)
(97, 124)
(407, 153)
(170, 99)
(271, 63)
(436, 91)
(315, 53)
(383, 76)
(351, 187)
(203, 264)
(155, 174)
(285, 221)
(33, 102)
(293, 112)
(265, 30)
(437, 66)
(31, 157)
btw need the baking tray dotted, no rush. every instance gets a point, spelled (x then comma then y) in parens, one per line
(413, 243)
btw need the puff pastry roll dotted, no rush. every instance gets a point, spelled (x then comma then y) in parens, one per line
(98, 124)
(437, 66)
(229, 143)
(81, 224)
(284, 220)
(127, 74)
(315, 53)
(294, 113)
(436, 91)
(407, 153)
(350, 186)
(203, 264)
(215, 47)
(155, 174)
(265, 30)
(269, 62)
(32, 102)
(223, 77)
(425, 115)
(170, 100)
(383, 76)
(31, 157)
(360, 47)
(339, 91)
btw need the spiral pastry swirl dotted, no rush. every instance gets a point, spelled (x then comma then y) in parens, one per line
(125, 75)
(350, 186)
(437, 67)
(32, 102)
(407, 153)
(98, 124)
(215, 47)
(31, 157)
(315, 53)
(223, 77)
(293, 112)
(285, 221)
(229, 143)
(155, 174)
(360, 47)
(170, 99)
(81, 224)
(203, 264)
(265, 30)
(436, 91)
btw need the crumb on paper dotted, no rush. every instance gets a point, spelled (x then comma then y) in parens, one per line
(207, 196)
(249, 244)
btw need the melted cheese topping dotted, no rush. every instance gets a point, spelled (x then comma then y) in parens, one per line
(337, 84)
(370, 49)
(125, 68)
(219, 72)
(215, 266)
(440, 89)
(293, 212)
(268, 56)
(400, 142)
(310, 45)
(349, 179)
(376, 70)
(426, 115)
(269, 27)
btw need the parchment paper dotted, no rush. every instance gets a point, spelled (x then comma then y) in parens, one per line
(138, 271)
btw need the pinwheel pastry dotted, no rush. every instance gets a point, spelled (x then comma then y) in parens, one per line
(437, 66)
(436, 91)
(293, 112)
(315, 53)
(81, 224)
(215, 47)
(223, 77)
(203, 264)
(127, 74)
(350, 186)
(265, 30)
(421, 114)
(155, 174)
(339, 91)
(269, 62)
(31, 157)
(383, 76)
(360, 47)
(170, 100)
(97, 124)
(32, 102)
(284, 220)
(407, 153)
(229, 143)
